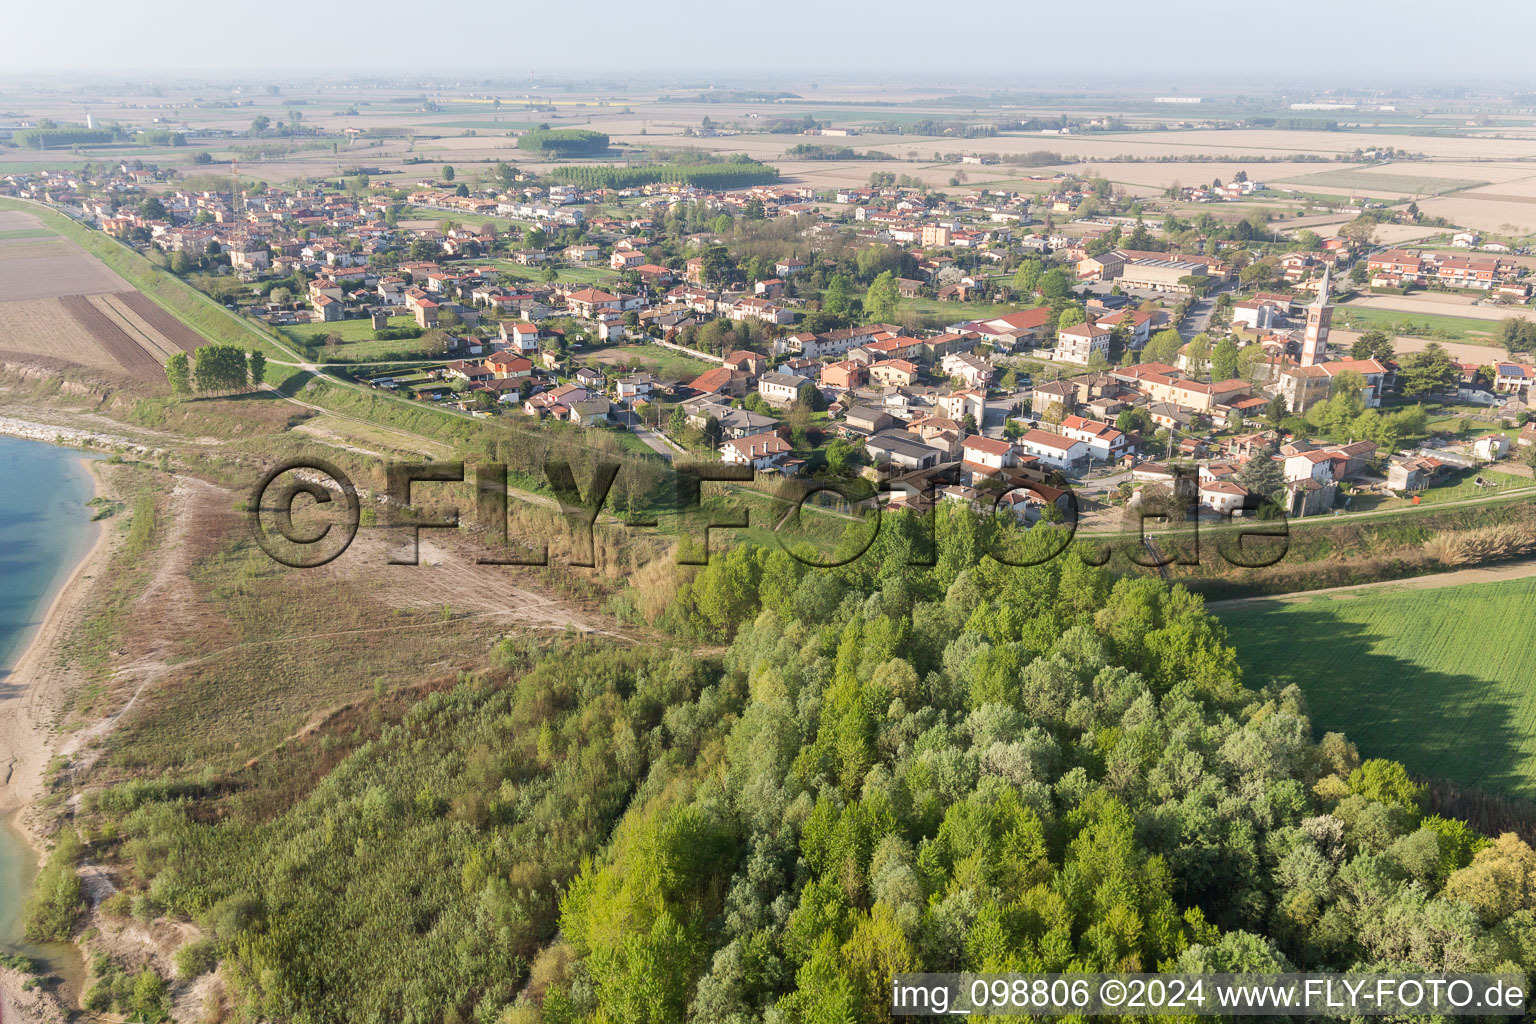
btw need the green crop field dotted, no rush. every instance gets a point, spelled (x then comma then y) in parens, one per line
(1417, 325)
(1438, 679)
(1412, 184)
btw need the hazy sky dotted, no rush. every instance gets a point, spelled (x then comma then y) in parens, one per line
(1087, 45)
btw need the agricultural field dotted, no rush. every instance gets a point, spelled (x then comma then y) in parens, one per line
(1436, 678)
(1363, 179)
(1356, 317)
(42, 327)
(109, 334)
(39, 268)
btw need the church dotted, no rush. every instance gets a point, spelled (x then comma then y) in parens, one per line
(1311, 381)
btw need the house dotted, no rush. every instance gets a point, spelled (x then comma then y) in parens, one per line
(761, 310)
(1081, 342)
(1414, 473)
(1491, 447)
(625, 259)
(1024, 327)
(746, 361)
(1314, 464)
(844, 376)
(1138, 325)
(785, 268)
(732, 423)
(893, 372)
(506, 365)
(1060, 392)
(1054, 450)
(1104, 442)
(760, 451)
(973, 370)
(1222, 496)
(588, 302)
(556, 402)
(779, 388)
(898, 448)
(589, 378)
(592, 411)
(635, 387)
(984, 456)
(1513, 378)
(722, 380)
(957, 405)
(864, 419)
(524, 337)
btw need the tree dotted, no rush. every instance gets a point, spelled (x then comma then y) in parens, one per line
(1516, 334)
(836, 299)
(220, 368)
(1164, 347)
(1420, 373)
(1026, 277)
(179, 374)
(1224, 360)
(1372, 345)
(1361, 231)
(258, 366)
(882, 299)
(448, 172)
(1261, 475)
(1054, 283)
(260, 123)
(718, 265)
(1072, 314)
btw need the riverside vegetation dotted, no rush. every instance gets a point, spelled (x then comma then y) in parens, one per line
(887, 768)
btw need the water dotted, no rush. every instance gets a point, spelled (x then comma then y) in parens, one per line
(45, 529)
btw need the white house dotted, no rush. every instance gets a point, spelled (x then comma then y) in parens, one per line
(1053, 449)
(1491, 447)
(1103, 440)
(760, 451)
(779, 388)
(1081, 342)
(1222, 495)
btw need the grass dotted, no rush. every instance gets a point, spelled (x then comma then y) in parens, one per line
(662, 362)
(28, 233)
(1419, 325)
(599, 276)
(1438, 679)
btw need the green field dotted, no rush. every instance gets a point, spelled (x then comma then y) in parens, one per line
(27, 233)
(1418, 325)
(1411, 184)
(1438, 679)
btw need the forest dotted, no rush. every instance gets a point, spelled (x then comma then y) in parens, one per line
(727, 174)
(955, 752)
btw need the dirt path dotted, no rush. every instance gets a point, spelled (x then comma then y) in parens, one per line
(1509, 571)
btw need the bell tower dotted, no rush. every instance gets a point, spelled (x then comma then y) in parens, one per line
(1314, 346)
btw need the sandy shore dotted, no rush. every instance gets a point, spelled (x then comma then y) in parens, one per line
(35, 684)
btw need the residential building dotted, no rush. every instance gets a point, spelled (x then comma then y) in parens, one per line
(1054, 450)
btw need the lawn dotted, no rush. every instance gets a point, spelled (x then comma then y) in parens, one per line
(598, 276)
(358, 342)
(1438, 679)
(1417, 325)
(28, 233)
(663, 362)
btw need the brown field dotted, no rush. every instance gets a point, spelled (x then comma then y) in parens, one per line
(167, 325)
(42, 327)
(15, 220)
(129, 354)
(31, 269)
(120, 313)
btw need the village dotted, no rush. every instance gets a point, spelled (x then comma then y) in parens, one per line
(1049, 352)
